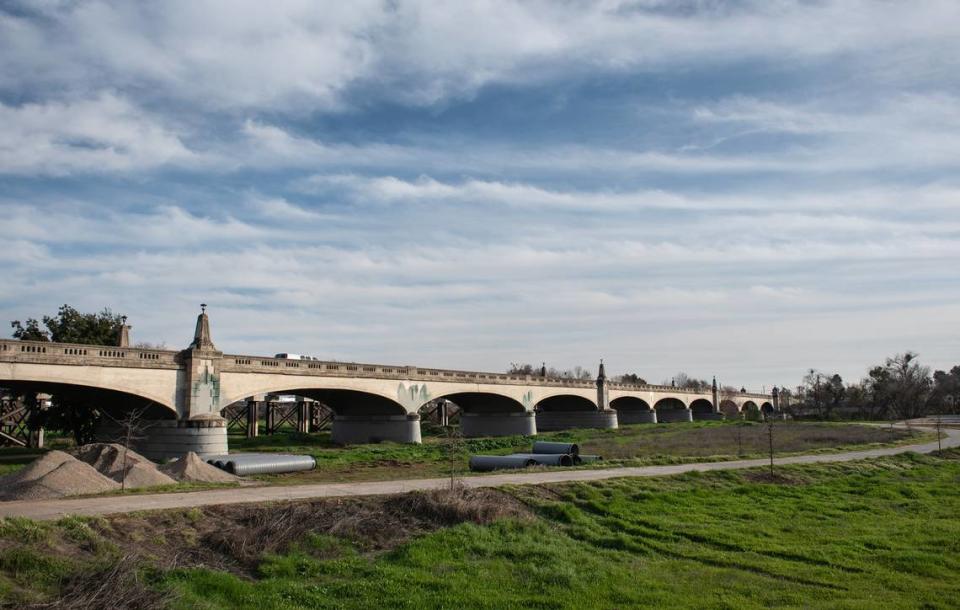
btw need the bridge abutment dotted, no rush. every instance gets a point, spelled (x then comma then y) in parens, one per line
(498, 424)
(359, 429)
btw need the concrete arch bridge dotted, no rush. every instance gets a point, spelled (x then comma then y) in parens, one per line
(184, 393)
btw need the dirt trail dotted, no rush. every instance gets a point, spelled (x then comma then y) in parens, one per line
(54, 509)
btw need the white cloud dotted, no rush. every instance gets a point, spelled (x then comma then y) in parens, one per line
(300, 55)
(103, 134)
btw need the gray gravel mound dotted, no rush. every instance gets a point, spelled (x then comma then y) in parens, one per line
(123, 466)
(70, 477)
(191, 467)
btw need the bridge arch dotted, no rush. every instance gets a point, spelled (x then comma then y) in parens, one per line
(630, 403)
(730, 409)
(135, 388)
(492, 414)
(364, 412)
(566, 402)
(484, 402)
(346, 396)
(702, 408)
(672, 409)
(113, 402)
(566, 411)
(633, 410)
(751, 410)
(767, 409)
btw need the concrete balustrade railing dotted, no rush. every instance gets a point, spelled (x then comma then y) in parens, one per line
(77, 353)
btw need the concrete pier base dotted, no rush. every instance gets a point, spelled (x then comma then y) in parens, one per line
(566, 420)
(358, 429)
(498, 424)
(637, 417)
(666, 416)
(166, 439)
(708, 417)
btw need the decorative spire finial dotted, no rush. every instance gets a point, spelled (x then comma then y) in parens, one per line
(124, 339)
(201, 336)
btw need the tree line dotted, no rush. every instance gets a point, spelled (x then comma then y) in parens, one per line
(900, 388)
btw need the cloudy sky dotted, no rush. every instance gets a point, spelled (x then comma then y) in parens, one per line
(742, 188)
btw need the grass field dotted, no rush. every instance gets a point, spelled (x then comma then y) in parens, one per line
(637, 445)
(873, 534)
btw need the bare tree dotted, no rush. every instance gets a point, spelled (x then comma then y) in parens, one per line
(148, 345)
(738, 434)
(454, 445)
(770, 421)
(132, 427)
(910, 385)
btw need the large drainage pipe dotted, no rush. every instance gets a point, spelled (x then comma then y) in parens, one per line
(549, 447)
(547, 459)
(586, 459)
(484, 463)
(242, 464)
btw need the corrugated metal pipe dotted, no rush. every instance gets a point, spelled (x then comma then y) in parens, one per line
(242, 464)
(549, 447)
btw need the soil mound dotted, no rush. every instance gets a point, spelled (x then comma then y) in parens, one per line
(145, 475)
(70, 477)
(108, 458)
(192, 468)
(36, 469)
(131, 469)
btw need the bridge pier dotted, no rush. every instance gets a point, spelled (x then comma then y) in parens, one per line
(666, 416)
(548, 421)
(712, 416)
(498, 424)
(359, 429)
(169, 438)
(626, 417)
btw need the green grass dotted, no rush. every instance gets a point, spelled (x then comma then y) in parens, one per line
(637, 445)
(869, 534)
(878, 534)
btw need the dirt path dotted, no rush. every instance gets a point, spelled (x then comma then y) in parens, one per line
(54, 509)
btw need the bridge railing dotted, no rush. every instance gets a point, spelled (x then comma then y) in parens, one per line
(259, 364)
(78, 353)
(649, 387)
(358, 369)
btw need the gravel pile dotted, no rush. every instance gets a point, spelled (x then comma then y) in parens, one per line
(131, 469)
(54, 475)
(192, 468)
